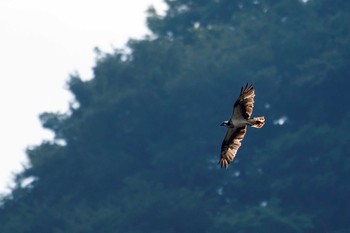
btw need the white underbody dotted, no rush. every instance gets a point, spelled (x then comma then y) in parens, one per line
(240, 122)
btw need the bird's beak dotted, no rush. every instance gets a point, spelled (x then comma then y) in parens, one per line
(222, 124)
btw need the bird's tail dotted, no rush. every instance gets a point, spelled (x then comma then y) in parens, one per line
(257, 122)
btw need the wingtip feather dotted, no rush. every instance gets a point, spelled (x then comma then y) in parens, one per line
(224, 163)
(247, 88)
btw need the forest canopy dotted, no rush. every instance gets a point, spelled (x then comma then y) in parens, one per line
(138, 149)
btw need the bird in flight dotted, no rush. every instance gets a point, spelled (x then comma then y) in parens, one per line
(237, 125)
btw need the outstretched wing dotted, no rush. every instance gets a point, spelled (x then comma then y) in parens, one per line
(231, 144)
(243, 106)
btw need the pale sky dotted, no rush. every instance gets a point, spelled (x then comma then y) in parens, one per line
(41, 43)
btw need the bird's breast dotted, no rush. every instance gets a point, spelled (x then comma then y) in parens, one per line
(240, 122)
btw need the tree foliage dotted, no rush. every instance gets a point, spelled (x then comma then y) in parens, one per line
(138, 150)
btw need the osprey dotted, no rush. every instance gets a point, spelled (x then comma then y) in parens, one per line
(237, 125)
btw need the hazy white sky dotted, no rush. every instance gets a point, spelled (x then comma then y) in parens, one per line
(41, 43)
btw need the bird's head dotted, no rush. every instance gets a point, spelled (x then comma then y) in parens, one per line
(225, 123)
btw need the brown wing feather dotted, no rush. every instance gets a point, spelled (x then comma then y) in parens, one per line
(245, 102)
(231, 144)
